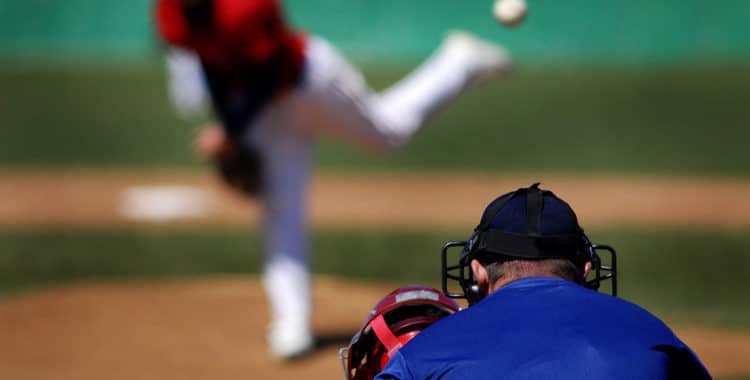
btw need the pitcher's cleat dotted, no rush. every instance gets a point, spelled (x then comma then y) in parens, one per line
(290, 340)
(484, 59)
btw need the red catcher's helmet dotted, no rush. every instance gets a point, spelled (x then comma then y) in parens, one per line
(393, 322)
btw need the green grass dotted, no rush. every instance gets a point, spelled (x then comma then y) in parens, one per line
(687, 276)
(738, 377)
(659, 119)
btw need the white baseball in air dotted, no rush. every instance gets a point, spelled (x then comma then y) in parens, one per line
(509, 12)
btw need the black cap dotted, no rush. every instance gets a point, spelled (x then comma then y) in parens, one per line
(529, 223)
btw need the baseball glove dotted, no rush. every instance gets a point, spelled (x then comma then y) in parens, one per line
(242, 170)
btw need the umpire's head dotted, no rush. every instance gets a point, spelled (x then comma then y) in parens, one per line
(529, 232)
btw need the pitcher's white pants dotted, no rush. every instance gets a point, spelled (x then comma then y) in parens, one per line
(332, 100)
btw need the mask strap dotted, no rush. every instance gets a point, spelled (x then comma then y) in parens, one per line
(385, 335)
(534, 206)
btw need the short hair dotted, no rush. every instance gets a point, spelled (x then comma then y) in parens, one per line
(515, 269)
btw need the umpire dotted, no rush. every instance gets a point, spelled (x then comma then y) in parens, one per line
(530, 275)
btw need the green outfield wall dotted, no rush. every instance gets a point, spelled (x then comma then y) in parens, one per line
(389, 30)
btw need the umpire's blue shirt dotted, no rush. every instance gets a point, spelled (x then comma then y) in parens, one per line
(546, 328)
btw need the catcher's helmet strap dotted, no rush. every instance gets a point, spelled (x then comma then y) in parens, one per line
(385, 335)
(528, 247)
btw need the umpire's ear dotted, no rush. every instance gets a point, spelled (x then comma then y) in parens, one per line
(586, 270)
(480, 276)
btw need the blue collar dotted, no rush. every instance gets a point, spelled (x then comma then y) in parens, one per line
(533, 282)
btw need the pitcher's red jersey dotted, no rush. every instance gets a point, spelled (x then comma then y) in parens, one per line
(240, 30)
(248, 52)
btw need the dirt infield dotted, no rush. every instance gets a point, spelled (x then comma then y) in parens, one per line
(102, 199)
(211, 329)
(214, 329)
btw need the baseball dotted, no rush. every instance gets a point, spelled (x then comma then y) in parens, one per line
(509, 12)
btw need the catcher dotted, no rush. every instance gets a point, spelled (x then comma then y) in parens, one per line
(395, 320)
(274, 91)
